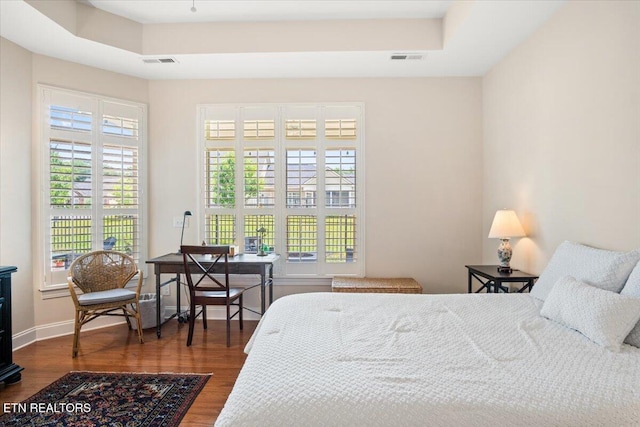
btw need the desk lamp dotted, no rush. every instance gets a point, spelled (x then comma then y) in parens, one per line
(505, 225)
(184, 221)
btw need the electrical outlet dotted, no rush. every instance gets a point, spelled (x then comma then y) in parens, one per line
(165, 290)
(178, 221)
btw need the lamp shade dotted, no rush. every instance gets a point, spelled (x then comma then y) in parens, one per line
(505, 224)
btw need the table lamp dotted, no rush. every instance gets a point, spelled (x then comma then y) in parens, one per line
(505, 225)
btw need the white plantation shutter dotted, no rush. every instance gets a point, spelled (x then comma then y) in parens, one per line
(300, 181)
(259, 177)
(340, 128)
(302, 169)
(70, 174)
(218, 133)
(220, 169)
(120, 182)
(219, 130)
(301, 128)
(92, 178)
(259, 129)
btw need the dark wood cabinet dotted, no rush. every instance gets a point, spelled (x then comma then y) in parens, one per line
(9, 371)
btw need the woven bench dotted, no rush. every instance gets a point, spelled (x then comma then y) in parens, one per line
(376, 285)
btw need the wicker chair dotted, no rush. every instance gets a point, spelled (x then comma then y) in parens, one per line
(101, 276)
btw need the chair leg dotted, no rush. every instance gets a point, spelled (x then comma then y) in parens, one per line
(204, 316)
(76, 335)
(192, 322)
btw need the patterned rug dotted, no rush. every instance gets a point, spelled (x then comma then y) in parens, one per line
(108, 399)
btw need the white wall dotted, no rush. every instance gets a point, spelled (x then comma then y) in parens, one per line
(561, 119)
(15, 178)
(423, 157)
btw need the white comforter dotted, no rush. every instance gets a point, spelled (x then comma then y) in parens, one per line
(333, 359)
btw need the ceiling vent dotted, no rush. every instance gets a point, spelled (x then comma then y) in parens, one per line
(407, 56)
(166, 60)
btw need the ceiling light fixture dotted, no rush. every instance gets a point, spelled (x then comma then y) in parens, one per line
(193, 6)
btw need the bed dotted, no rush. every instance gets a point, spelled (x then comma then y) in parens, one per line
(335, 359)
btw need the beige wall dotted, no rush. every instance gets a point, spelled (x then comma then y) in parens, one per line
(423, 145)
(15, 178)
(561, 119)
(552, 131)
(20, 72)
(50, 71)
(423, 156)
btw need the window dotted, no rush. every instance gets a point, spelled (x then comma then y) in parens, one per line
(298, 180)
(92, 178)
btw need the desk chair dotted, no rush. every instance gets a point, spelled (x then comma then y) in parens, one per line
(206, 289)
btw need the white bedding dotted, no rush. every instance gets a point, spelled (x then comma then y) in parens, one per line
(337, 359)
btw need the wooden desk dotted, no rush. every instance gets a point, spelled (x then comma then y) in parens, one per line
(239, 264)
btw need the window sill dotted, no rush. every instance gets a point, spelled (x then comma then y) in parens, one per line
(57, 291)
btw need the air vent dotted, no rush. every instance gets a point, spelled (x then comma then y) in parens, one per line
(407, 56)
(166, 60)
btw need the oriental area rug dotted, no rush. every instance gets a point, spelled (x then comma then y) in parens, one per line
(108, 399)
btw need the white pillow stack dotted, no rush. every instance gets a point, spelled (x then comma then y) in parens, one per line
(632, 288)
(601, 268)
(603, 316)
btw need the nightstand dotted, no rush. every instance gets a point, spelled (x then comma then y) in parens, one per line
(493, 281)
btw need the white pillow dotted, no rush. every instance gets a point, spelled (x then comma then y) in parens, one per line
(604, 317)
(597, 267)
(632, 288)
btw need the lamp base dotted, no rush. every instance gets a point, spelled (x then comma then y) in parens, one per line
(504, 256)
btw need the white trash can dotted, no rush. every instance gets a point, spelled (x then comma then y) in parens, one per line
(148, 311)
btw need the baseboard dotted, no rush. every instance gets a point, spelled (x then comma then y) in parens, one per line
(24, 338)
(58, 329)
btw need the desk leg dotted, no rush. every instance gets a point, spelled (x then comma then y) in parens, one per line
(263, 284)
(469, 280)
(270, 284)
(179, 308)
(158, 296)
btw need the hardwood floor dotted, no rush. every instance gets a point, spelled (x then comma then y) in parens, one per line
(116, 349)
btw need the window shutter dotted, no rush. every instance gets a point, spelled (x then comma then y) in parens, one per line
(93, 177)
(301, 164)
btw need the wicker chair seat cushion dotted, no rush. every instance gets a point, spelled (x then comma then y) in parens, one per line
(104, 297)
(233, 292)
